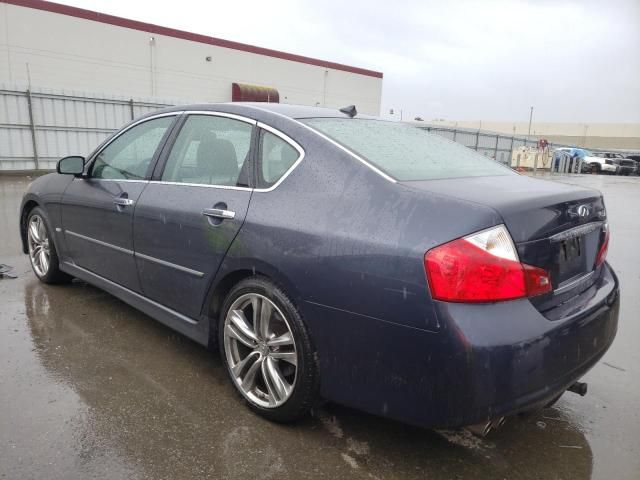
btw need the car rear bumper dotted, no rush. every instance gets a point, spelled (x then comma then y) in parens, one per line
(487, 360)
(524, 360)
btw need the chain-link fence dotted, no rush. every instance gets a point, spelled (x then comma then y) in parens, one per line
(37, 127)
(497, 146)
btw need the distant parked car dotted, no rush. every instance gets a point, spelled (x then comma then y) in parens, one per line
(635, 158)
(626, 166)
(598, 163)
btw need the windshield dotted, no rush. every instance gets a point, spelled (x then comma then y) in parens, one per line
(405, 152)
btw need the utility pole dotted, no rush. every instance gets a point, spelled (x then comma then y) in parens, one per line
(530, 118)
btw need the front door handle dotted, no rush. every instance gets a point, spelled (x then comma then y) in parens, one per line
(219, 213)
(123, 202)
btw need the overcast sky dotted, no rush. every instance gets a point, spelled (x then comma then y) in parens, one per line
(573, 60)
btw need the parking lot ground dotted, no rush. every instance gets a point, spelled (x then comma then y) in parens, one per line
(91, 388)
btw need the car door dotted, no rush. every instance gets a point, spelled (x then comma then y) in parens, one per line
(97, 209)
(186, 220)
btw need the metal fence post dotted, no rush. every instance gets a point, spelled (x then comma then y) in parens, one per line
(32, 127)
(477, 140)
(131, 108)
(495, 152)
(455, 134)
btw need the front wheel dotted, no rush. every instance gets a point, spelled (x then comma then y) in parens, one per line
(267, 351)
(42, 250)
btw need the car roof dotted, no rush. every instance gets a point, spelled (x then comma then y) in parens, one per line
(285, 109)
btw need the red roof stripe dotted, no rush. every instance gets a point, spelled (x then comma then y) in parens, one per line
(172, 32)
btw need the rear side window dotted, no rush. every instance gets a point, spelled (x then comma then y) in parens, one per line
(405, 152)
(276, 157)
(210, 150)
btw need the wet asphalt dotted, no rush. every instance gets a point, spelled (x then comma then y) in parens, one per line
(91, 388)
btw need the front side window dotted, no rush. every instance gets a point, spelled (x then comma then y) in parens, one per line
(407, 153)
(210, 150)
(128, 157)
(276, 157)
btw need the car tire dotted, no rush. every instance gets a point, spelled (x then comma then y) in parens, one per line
(595, 168)
(279, 390)
(42, 250)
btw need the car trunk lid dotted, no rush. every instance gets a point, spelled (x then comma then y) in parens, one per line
(555, 226)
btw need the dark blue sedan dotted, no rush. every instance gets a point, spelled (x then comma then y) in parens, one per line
(333, 256)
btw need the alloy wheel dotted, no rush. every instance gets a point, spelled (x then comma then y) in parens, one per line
(39, 247)
(260, 350)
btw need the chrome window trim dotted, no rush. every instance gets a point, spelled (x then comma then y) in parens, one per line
(214, 113)
(99, 242)
(333, 142)
(117, 135)
(222, 187)
(269, 128)
(116, 180)
(169, 264)
(231, 116)
(287, 139)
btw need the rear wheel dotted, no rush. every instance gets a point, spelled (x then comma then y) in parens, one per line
(42, 250)
(267, 351)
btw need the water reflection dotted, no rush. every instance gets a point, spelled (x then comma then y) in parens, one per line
(167, 406)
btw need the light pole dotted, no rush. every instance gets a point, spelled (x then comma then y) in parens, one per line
(530, 118)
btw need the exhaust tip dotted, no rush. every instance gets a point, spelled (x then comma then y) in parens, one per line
(483, 429)
(480, 429)
(498, 422)
(579, 387)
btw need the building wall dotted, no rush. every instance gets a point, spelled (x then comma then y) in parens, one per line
(625, 136)
(66, 52)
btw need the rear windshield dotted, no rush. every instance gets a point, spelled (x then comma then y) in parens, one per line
(405, 152)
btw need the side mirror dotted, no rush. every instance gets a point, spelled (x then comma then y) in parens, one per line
(73, 165)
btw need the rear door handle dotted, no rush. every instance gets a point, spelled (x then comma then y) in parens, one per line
(218, 213)
(123, 202)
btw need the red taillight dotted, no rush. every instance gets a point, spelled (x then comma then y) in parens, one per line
(602, 253)
(482, 268)
(537, 280)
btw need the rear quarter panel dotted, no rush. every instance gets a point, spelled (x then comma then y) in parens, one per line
(340, 235)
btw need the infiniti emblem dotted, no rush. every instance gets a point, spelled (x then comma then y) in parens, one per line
(583, 210)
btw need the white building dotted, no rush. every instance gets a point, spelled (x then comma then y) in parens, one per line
(54, 46)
